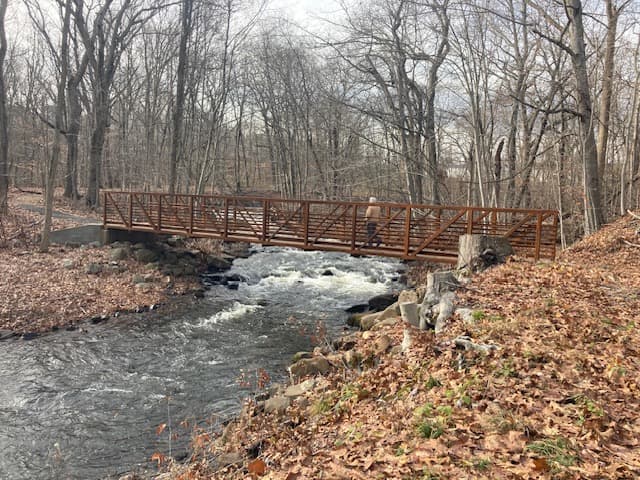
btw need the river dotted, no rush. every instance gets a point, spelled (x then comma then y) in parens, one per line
(86, 405)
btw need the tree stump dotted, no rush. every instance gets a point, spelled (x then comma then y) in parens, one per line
(478, 252)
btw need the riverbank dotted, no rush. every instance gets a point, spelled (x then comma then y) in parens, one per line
(68, 286)
(555, 396)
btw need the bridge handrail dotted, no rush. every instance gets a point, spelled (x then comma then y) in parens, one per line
(409, 230)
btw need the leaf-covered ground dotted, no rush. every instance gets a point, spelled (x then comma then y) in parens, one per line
(558, 399)
(37, 291)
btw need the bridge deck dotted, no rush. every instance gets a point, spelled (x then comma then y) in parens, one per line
(408, 231)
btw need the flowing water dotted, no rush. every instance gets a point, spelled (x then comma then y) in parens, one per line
(86, 405)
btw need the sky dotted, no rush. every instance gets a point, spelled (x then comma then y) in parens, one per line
(305, 12)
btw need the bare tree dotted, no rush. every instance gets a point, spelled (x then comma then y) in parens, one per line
(114, 26)
(4, 128)
(60, 103)
(181, 74)
(400, 45)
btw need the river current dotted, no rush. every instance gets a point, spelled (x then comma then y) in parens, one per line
(87, 404)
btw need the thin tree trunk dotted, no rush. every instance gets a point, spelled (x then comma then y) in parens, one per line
(607, 87)
(52, 163)
(177, 143)
(4, 128)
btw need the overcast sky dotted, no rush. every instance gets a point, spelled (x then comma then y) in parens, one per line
(305, 12)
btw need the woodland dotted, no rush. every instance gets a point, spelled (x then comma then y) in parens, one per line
(508, 103)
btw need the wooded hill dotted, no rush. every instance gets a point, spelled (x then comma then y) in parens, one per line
(506, 103)
(558, 398)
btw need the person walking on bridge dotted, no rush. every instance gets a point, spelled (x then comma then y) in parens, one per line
(372, 216)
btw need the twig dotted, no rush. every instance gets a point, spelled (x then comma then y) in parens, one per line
(631, 244)
(637, 217)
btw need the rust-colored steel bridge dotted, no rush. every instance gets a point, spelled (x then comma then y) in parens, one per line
(409, 231)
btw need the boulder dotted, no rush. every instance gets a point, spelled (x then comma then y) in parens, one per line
(118, 254)
(466, 315)
(277, 404)
(68, 264)
(144, 255)
(352, 358)
(345, 342)
(382, 344)
(360, 308)
(93, 268)
(369, 320)
(408, 296)
(310, 366)
(380, 302)
(387, 322)
(299, 389)
(390, 312)
(237, 249)
(170, 258)
(217, 264)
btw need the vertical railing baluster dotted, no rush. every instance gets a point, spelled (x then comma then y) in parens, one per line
(130, 226)
(191, 214)
(407, 231)
(159, 211)
(265, 219)
(225, 233)
(305, 222)
(538, 235)
(470, 221)
(354, 226)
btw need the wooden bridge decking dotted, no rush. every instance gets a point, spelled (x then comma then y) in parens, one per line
(408, 231)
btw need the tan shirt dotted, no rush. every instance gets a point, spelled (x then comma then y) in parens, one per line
(373, 213)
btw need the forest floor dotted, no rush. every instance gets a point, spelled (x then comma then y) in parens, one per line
(40, 292)
(558, 399)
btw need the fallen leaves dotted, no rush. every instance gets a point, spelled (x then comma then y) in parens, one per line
(44, 291)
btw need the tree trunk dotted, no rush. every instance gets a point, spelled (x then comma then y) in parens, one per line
(97, 146)
(52, 164)
(72, 134)
(592, 199)
(178, 115)
(4, 128)
(607, 86)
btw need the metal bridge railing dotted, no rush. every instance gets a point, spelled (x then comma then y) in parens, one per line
(406, 231)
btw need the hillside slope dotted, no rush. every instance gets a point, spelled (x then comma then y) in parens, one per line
(558, 399)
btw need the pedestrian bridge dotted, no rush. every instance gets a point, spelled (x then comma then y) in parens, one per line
(408, 231)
